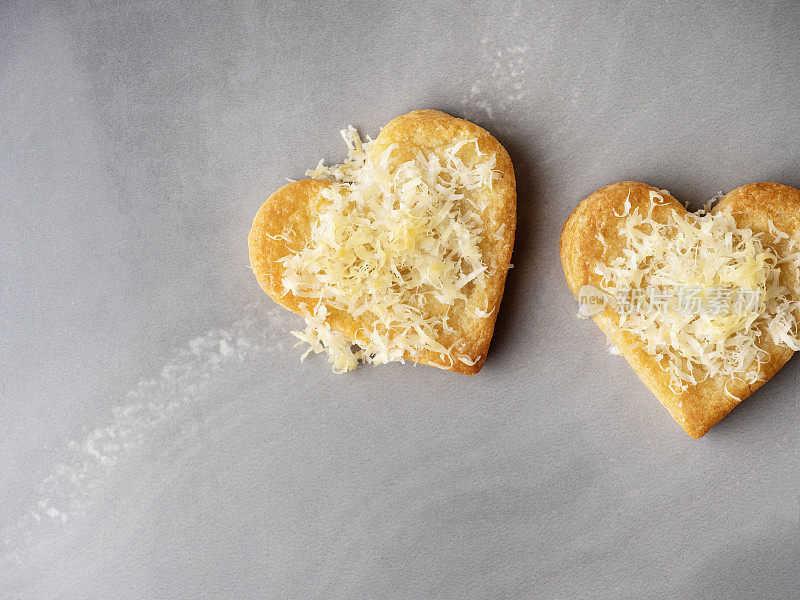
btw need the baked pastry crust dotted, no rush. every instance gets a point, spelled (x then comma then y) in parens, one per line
(700, 407)
(297, 204)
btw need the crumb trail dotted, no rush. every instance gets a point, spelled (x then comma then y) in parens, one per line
(167, 410)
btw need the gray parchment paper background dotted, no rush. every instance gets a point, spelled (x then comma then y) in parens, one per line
(160, 438)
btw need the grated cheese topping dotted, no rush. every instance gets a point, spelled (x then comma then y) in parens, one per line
(392, 240)
(711, 255)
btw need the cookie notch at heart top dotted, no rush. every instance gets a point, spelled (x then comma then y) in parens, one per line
(295, 206)
(598, 217)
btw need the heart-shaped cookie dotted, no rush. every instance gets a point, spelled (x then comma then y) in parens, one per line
(402, 251)
(636, 234)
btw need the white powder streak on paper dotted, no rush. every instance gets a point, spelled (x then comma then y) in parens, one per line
(153, 407)
(503, 83)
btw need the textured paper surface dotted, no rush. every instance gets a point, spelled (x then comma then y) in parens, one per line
(161, 439)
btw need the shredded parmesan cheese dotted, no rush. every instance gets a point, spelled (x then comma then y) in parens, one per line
(708, 253)
(392, 239)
